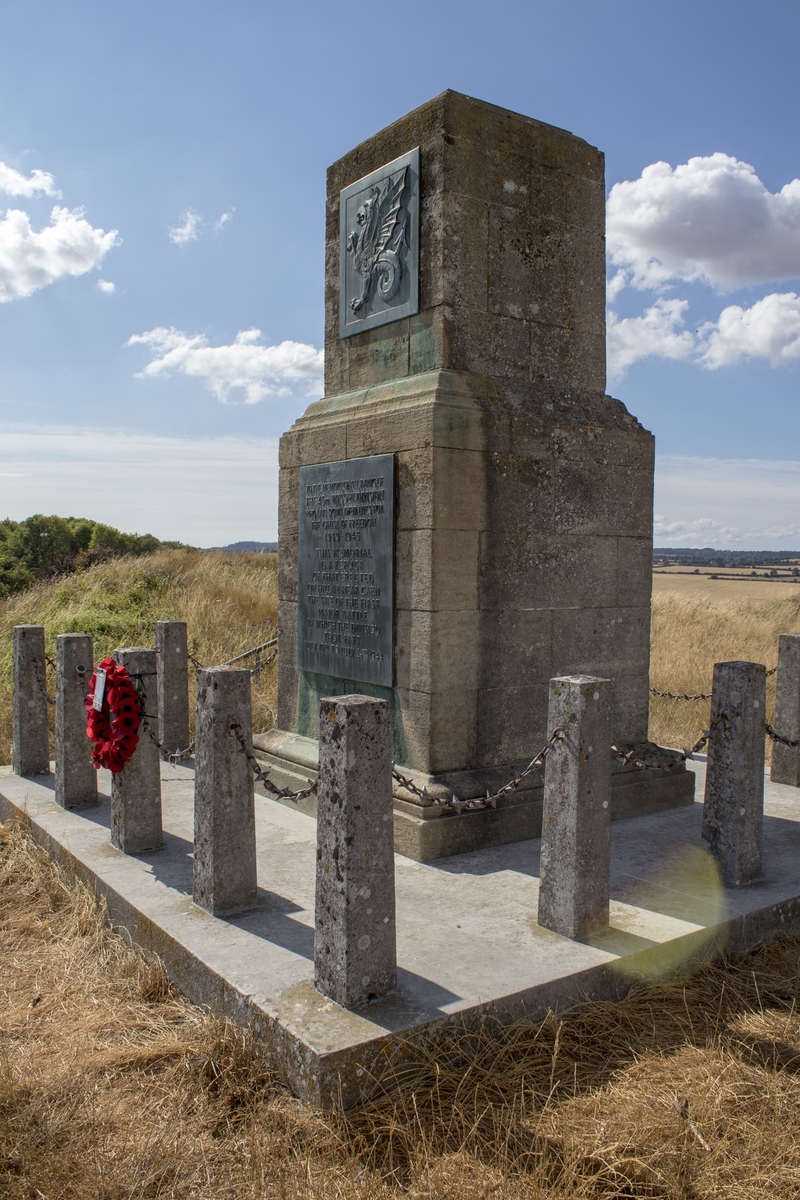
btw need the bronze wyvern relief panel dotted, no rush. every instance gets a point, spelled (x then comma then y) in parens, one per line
(379, 247)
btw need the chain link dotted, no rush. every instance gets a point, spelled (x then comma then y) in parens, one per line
(774, 736)
(631, 759)
(172, 756)
(698, 696)
(262, 777)
(40, 682)
(256, 650)
(454, 804)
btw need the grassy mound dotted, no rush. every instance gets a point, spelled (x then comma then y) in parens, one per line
(229, 602)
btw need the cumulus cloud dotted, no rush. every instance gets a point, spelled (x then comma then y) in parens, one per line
(769, 329)
(708, 220)
(257, 370)
(187, 231)
(223, 220)
(13, 183)
(658, 333)
(30, 260)
(105, 285)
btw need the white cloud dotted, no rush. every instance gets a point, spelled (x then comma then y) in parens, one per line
(105, 285)
(143, 482)
(226, 216)
(30, 260)
(710, 220)
(13, 183)
(187, 231)
(752, 503)
(659, 332)
(259, 371)
(770, 329)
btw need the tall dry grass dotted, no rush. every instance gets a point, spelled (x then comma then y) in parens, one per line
(229, 602)
(689, 635)
(113, 1086)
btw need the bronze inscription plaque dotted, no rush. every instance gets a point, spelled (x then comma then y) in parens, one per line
(346, 569)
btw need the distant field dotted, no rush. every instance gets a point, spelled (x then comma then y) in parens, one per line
(698, 621)
(721, 589)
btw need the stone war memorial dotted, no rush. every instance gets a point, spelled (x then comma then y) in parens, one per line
(464, 571)
(466, 514)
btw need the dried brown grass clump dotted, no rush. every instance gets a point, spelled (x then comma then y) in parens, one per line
(689, 635)
(112, 1085)
(229, 601)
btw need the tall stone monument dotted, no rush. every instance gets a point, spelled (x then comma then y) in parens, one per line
(466, 513)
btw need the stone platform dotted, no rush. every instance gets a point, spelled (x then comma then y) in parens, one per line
(468, 944)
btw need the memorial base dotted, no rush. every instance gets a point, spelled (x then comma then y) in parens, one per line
(425, 833)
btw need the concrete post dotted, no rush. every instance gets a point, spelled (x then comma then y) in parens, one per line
(355, 950)
(576, 818)
(733, 813)
(136, 789)
(173, 684)
(30, 753)
(786, 759)
(224, 879)
(76, 778)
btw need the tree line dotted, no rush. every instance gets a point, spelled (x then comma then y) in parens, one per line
(41, 547)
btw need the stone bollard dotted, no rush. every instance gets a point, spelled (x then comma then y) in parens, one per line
(76, 778)
(786, 759)
(173, 684)
(576, 817)
(136, 789)
(224, 878)
(30, 753)
(733, 812)
(355, 945)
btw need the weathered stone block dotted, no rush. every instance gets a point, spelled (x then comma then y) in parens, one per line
(224, 871)
(733, 814)
(355, 954)
(172, 664)
(576, 817)
(76, 778)
(136, 789)
(30, 753)
(786, 759)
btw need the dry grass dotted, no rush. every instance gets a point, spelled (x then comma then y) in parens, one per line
(229, 601)
(112, 1086)
(690, 634)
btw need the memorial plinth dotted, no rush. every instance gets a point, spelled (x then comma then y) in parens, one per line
(522, 499)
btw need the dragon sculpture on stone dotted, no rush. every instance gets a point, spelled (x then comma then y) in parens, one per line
(375, 245)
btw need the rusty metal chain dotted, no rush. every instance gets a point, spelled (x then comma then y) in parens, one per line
(454, 804)
(42, 688)
(680, 695)
(630, 758)
(262, 777)
(256, 650)
(774, 736)
(172, 756)
(698, 696)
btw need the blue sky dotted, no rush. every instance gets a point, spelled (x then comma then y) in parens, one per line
(201, 133)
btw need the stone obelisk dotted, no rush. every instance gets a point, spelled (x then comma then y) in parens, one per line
(465, 514)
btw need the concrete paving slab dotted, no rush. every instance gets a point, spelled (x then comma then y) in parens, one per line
(469, 948)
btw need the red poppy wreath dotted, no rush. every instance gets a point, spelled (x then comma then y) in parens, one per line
(113, 726)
